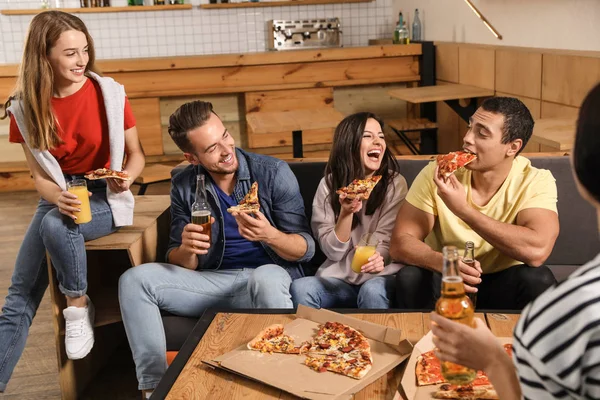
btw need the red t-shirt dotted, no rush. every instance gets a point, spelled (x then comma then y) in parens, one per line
(83, 127)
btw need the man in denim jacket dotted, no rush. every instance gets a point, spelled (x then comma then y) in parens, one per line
(248, 261)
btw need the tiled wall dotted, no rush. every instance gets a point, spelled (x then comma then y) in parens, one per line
(197, 31)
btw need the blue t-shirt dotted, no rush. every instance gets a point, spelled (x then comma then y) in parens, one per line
(239, 252)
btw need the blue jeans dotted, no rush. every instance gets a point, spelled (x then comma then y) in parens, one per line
(64, 240)
(149, 288)
(318, 292)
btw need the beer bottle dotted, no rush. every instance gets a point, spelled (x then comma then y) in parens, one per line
(455, 305)
(469, 259)
(200, 210)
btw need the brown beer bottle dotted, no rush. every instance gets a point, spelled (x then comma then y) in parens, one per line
(455, 305)
(200, 210)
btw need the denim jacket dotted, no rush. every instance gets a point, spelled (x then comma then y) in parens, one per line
(278, 194)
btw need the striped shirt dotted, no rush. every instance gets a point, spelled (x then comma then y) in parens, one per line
(557, 339)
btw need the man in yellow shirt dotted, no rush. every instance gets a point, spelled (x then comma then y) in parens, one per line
(499, 202)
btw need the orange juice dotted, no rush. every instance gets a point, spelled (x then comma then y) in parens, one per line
(361, 257)
(81, 191)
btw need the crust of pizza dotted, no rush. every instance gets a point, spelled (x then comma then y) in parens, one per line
(483, 392)
(244, 208)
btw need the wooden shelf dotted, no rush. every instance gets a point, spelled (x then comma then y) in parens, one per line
(280, 3)
(92, 10)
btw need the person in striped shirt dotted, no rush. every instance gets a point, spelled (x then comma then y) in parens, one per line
(557, 339)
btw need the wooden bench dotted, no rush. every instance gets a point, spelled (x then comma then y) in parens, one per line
(154, 173)
(401, 126)
(107, 258)
(297, 117)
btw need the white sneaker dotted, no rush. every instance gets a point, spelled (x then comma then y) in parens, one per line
(79, 330)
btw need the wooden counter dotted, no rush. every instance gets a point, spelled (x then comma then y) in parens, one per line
(148, 80)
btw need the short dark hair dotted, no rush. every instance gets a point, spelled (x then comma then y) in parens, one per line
(586, 151)
(518, 122)
(186, 118)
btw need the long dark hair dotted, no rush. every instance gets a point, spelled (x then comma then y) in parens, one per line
(345, 163)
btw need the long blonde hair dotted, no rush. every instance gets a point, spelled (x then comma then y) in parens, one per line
(35, 81)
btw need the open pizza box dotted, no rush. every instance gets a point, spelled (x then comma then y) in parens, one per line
(409, 379)
(389, 347)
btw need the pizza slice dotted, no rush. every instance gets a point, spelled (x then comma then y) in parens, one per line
(353, 365)
(467, 392)
(249, 203)
(103, 173)
(273, 340)
(449, 163)
(360, 188)
(429, 369)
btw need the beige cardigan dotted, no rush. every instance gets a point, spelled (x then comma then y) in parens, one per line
(339, 254)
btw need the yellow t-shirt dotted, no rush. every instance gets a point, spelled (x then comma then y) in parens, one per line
(525, 187)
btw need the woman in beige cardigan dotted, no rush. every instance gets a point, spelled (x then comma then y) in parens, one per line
(359, 151)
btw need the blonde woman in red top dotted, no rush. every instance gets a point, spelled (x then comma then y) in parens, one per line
(69, 120)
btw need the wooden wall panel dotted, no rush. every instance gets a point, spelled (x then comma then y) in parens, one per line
(227, 106)
(448, 137)
(269, 77)
(288, 100)
(373, 98)
(446, 62)
(567, 79)
(7, 85)
(476, 66)
(519, 73)
(552, 110)
(534, 105)
(147, 116)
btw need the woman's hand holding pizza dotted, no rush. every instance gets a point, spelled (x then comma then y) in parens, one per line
(350, 206)
(68, 203)
(452, 192)
(118, 185)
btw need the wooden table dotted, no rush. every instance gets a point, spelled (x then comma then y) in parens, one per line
(450, 94)
(287, 127)
(555, 134)
(219, 332)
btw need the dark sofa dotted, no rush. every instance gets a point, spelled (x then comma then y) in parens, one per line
(577, 243)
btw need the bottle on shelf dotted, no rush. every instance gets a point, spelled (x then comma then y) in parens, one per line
(455, 305)
(404, 35)
(416, 27)
(396, 37)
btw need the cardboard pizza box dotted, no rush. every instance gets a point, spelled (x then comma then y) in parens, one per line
(409, 379)
(389, 347)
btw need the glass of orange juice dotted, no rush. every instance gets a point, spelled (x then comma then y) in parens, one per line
(79, 188)
(365, 249)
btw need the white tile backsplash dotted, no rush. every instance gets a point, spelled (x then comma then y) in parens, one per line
(197, 31)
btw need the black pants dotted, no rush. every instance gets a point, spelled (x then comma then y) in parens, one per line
(511, 289)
